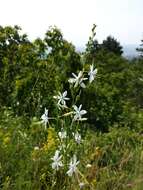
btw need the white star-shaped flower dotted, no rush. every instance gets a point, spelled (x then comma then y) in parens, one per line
(62, 99)
(79, 113)
(57, 163)
(78, 80)
(77, 137)
(36, 148)
(45, 118)
(81, 185)
(62, 134)
(72, 166)
(92, 73)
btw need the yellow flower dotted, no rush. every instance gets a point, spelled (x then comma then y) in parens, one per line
(51, 140)
(97, 151)
(6, 140)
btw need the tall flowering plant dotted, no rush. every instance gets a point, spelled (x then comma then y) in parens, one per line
(66, 157)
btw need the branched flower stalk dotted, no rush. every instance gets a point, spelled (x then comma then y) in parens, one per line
(69, 133)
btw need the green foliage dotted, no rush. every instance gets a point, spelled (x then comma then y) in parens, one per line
(116, 95)
(10, 41)
(62, 53)
(116, 159)
(31, 73)
(112, 45)
(111, 91)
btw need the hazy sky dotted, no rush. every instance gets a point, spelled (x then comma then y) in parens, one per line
(122, 19)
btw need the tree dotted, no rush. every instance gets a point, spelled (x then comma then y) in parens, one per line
(31, 72)
(109, 92)
(140, 50)
(62, 53)
(10, 42)
(112, 45)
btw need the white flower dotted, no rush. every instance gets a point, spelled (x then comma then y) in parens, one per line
(77, 137)
(57, 163)
(81, 185)
(92, 73)
(36, 148)
(45, 117)
(61, 99)
(62, 134)
(72, 166)
(7, 42)
(49, 50)
(78, 113)
(88, 166)
(78, 80)
(141, 79)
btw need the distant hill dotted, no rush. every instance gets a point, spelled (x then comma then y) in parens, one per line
(129, 50)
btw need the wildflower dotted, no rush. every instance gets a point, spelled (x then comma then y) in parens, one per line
(62, 99)
(62, 134)
(36, 148)
(81, 185)
(92, 73)
(141, 79)
(57, 161)
(78, 80)
(78, 113)
(45, 117)
(88, 166)
(72, 166)
(77, 137)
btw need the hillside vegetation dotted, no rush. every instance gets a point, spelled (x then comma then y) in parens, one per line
(69, 120)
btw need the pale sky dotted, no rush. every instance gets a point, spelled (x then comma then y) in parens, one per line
(122, 19)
